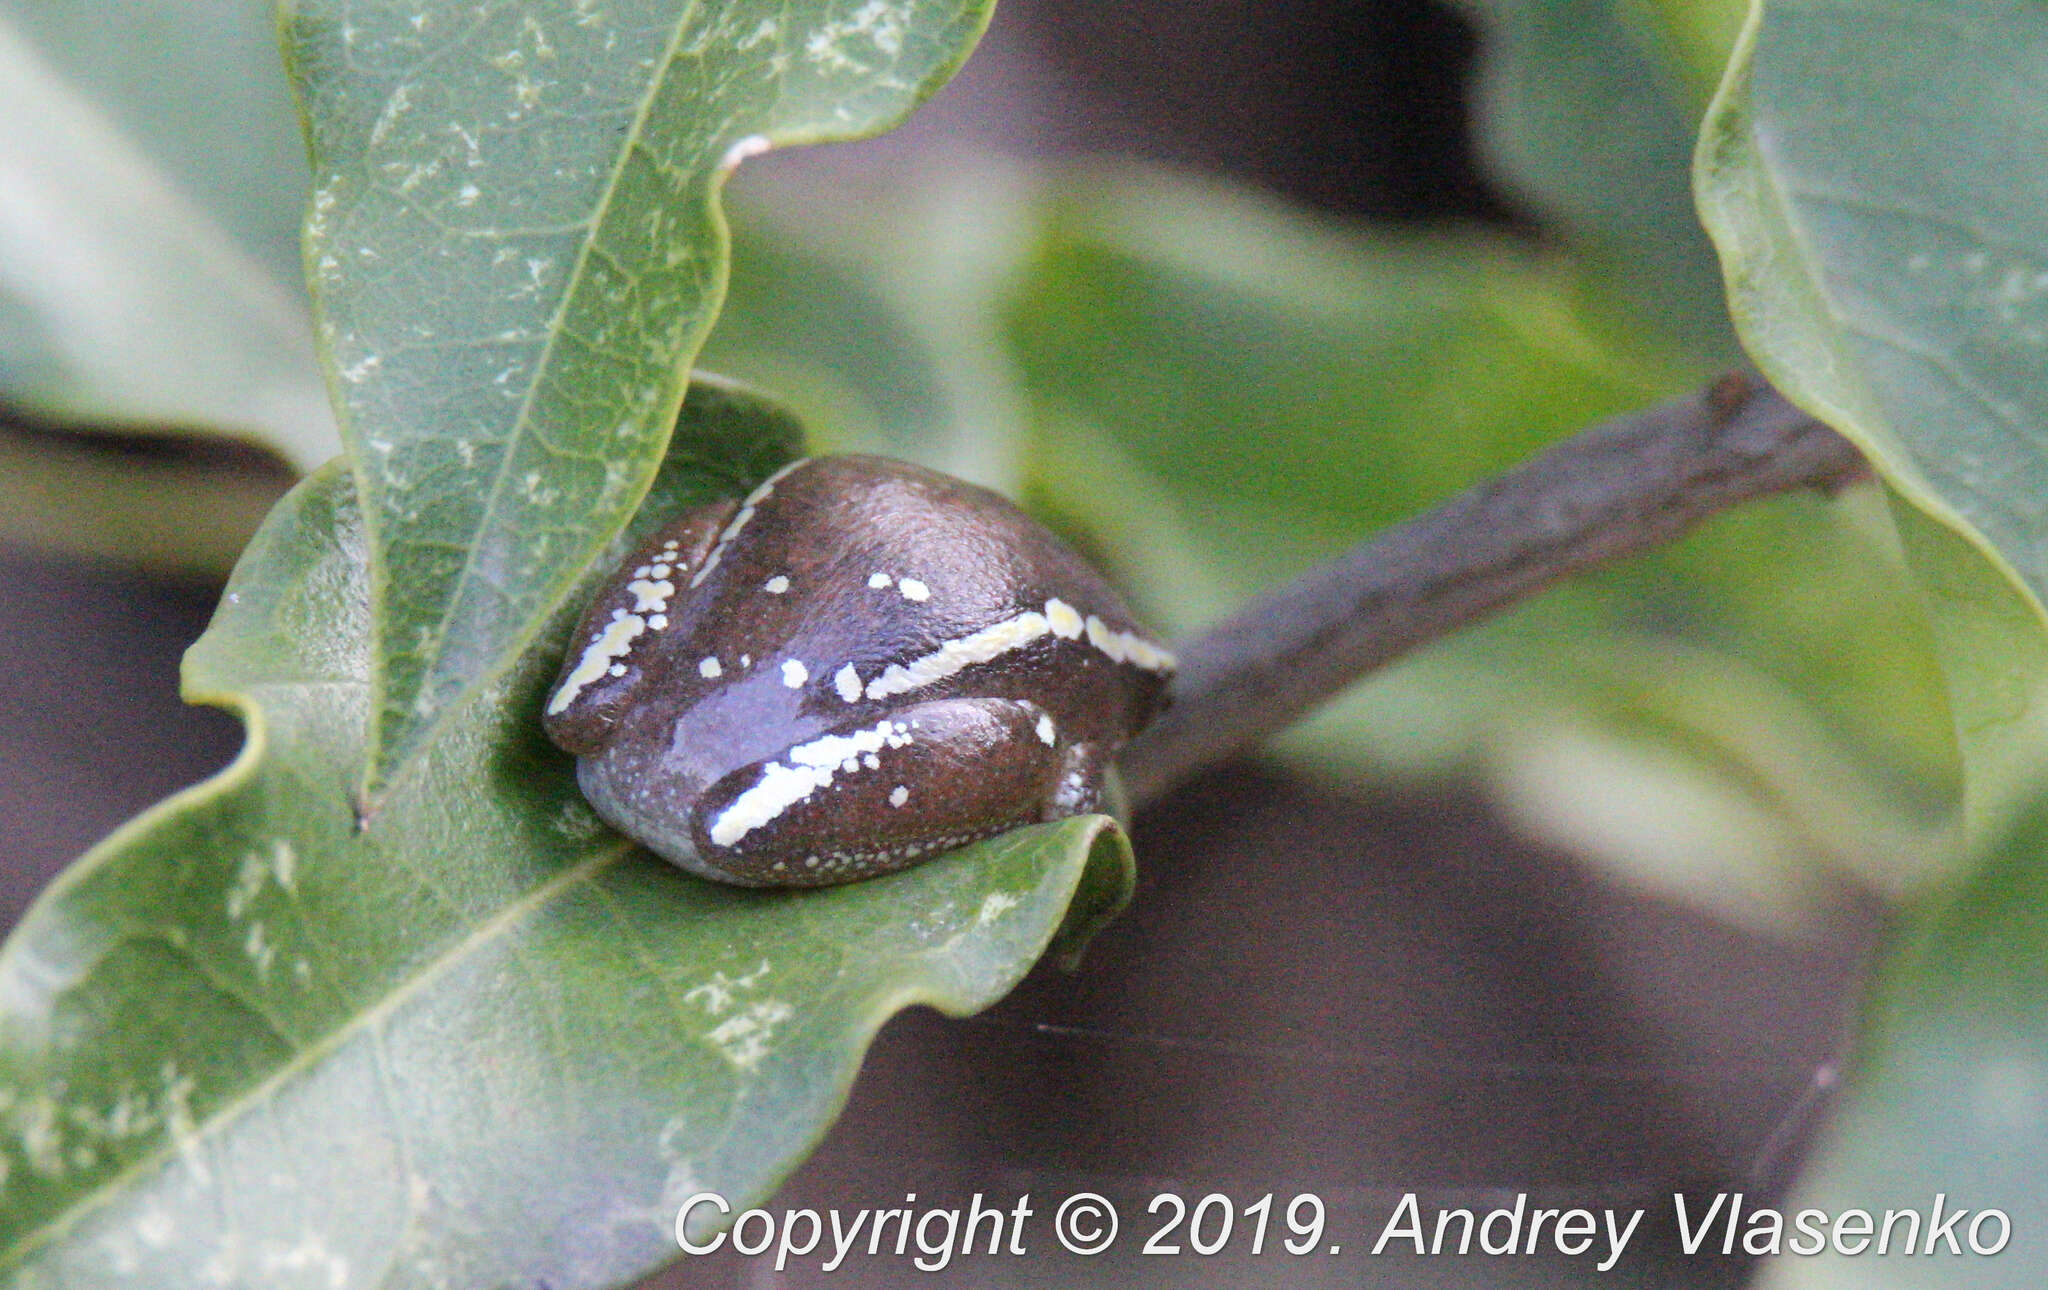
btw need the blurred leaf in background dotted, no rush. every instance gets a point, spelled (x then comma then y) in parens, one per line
(871, 308)
(183, 505)
(1587, 111)
(1366, 377)
(152, 180)
(152, 183)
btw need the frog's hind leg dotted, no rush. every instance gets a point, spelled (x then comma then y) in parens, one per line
(878, 795)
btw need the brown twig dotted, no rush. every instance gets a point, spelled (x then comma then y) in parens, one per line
(1622, 487)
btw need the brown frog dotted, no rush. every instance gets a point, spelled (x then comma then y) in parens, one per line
(858, 666)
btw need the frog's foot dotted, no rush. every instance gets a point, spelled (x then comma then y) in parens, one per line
(872, 797)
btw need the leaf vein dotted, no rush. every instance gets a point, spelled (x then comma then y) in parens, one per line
(304, 1057)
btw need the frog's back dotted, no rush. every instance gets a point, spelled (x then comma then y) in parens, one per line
(923, 584)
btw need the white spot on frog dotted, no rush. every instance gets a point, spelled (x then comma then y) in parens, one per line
(912, 589)
(794, 673)
(879, 580)
(650, 596)
(1046, 732)
(746, 513)
(1060, 619)
(709, 669)
(776, 585)
(614, 642)
(1126, 647)
(991, 642)
(1063, 619)
(899, 795)
(847, 681)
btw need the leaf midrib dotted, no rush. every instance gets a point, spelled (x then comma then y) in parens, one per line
(522, 422)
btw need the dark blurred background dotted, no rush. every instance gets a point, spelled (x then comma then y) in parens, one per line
(1440, 1006)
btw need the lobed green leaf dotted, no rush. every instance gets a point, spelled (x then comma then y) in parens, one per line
(484, 1041)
